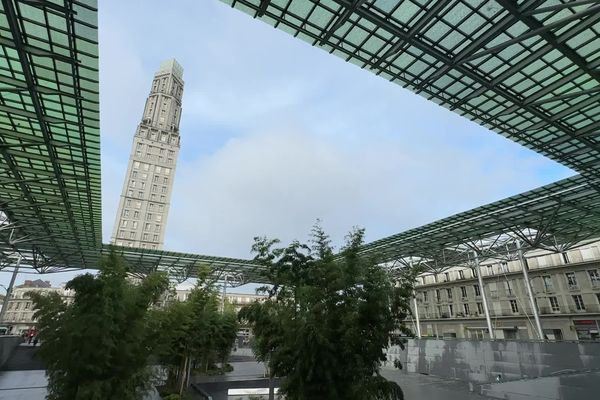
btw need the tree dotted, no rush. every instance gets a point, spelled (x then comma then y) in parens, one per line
(194, 332)
(97, 347)
(328, 318)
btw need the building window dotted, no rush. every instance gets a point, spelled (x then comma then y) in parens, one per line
(165, 181)
(480, 308)
(446, 276)
(451, 310)
(477, 290)
(466, 308)
(578, 300)
(146, 167)
(130, 193)
(438, 297)
(131, 235)
(554, 303)
(504, 267)
(124, 223)
(143, 185)
(156, 238)
(571, 280)
(461, 274)
(425, 297)
(134, 174)
(158, 218)
(158, 169)
(136, 214)
(594, 277)
(155, 178)
(121, 234)
(548, 285)
(134, 224)
(167, 171)
(149, 217)
(513, 306)
(463, 291)
(154, 188)
(145, 236)
(163, 189)
(138, 204)
(147, 226)
(136, 164)
(132, 183)
(449, 291)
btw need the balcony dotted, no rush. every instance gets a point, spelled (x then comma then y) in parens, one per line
(573, 286)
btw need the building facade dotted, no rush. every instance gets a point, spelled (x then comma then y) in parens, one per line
(146, 196)
(566, 288)
(19, 313)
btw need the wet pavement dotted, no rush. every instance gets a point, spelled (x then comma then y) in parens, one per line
(415, 386)
(23, 385)
(427, 387)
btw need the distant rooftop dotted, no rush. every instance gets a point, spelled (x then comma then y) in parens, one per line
(38, 283)
(171, 66)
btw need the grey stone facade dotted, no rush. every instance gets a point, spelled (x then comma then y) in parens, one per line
(566, 288)
(144, 204)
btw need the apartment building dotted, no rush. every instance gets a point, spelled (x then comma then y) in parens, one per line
(566, 288)
(19, 313)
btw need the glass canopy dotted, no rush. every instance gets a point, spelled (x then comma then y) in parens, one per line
(528, 70)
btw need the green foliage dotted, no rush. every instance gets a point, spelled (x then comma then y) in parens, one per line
(194, 332)
(328, 319)
(98, 346)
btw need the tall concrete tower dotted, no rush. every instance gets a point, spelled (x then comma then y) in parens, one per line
(144, 203)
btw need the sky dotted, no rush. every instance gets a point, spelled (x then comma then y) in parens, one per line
(276, 134)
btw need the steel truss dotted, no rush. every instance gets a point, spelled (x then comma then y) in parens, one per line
(528, 70)
(555, 218)
(49, 134)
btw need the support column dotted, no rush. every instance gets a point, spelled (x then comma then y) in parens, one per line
(525, 268)
(416, 307)
(486, 310)
(416, 314)
(10, 289)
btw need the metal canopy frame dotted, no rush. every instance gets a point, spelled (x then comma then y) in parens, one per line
(555, 217)
(50, 203)
(181, 266)
(528, 70)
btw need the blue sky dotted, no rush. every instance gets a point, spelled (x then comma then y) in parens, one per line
(276, 133)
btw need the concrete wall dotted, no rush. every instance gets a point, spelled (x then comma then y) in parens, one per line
(482, 361)
(7, 346)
